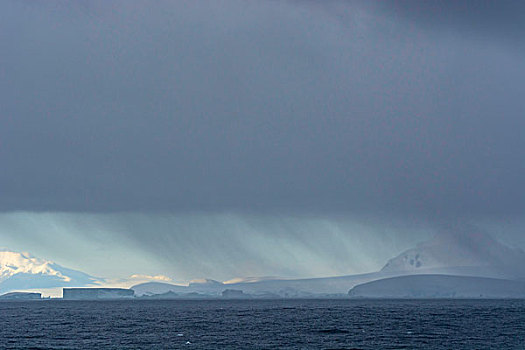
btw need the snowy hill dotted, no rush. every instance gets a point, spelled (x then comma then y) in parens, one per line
(155, 288)
(464, 252)
(22, 271)
(205, 284)
(439, 286)
(286, 288)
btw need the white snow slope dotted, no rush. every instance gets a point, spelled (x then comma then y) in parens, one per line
(439, 286)
(467, 253)
(22, 271)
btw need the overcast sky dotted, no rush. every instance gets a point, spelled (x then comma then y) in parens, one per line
(226, 138)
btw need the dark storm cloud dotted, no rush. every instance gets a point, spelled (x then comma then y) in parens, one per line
(503, 21)
(492, 20)
(406, 107)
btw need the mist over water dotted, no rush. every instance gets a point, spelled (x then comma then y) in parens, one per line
(223, 246)
(219, 246)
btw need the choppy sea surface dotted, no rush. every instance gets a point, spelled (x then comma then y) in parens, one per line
(263, 324)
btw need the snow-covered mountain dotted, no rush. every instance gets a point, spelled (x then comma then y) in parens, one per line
(466, 252)
(22, 271)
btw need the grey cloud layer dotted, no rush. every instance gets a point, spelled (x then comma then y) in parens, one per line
(261, 106)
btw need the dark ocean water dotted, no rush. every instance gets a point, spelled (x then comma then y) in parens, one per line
(264, 324)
